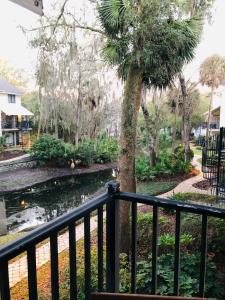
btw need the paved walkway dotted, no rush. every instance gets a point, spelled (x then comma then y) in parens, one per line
(187, 185)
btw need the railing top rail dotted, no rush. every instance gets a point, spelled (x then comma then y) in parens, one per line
(18, 246)
(176, 205)
(35, 236)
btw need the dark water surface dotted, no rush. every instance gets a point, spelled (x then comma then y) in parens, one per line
(30, 208)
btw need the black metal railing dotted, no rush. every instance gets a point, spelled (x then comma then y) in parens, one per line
(108, 280)
(213, 162)
(23, 125)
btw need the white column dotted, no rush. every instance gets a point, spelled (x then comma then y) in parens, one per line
(0, 123)
(14, 138)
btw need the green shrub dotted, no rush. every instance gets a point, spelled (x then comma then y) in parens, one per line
(165, 141)
(106, 150)
(180, 154)
(48, 149)
(86, 153)
(2, 142)
(166, 165)
(101, 151)
(189, 276)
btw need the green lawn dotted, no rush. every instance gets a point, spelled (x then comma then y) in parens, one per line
(199, 160)
(195, 197)
(197, 151)
(10, 237)
(152, 188)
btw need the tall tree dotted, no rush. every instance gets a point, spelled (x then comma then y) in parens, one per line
(15, 76)
(200, 9)
(149, 45)
(212, 74)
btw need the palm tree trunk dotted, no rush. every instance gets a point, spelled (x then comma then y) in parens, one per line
(209, 115)
(130, 108)
(186, 117)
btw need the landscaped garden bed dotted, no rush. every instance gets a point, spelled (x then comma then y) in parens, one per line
(10, 153)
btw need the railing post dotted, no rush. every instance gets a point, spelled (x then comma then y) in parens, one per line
(112, 238)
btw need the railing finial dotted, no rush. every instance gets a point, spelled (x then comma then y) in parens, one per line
(113, 186)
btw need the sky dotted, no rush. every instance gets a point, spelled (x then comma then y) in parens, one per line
(14, 45)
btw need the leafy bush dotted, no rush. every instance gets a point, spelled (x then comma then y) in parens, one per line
(2, 142)
(101, 151)
(189, 276)
(107, 150)
(166, 165)
(86, 153)
(48, 149)
(165, 141)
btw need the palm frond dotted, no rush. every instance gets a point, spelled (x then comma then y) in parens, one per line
(111, 15)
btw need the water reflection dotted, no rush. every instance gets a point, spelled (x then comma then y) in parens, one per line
(30, 208)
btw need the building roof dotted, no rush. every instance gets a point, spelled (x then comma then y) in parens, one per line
(7, 88)
(12, 109)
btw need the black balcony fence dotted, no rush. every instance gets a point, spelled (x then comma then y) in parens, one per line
(23, 125)
(108, 281)
(213, 162)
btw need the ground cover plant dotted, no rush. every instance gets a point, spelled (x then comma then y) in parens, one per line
(167, 164)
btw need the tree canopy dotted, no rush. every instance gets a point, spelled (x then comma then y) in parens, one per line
(159, 45)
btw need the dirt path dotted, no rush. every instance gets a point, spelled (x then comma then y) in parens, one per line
(13, 181)
(187, 185)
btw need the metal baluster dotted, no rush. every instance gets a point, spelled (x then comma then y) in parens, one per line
(177, 255)
(100, 249)
(154, 250)
(112, 247)
(133, 247)
(54, 266)
(4, 281)
(203, 255)
(32, 273)
(87, 256)
(73, 265)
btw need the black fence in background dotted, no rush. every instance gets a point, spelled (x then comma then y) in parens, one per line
(213, 162)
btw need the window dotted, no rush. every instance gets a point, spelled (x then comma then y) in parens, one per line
(11, 98)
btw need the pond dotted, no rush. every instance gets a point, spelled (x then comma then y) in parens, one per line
(30, 208)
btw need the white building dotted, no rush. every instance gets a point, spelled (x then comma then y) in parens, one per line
(217, 116)
(218, 112)
(14, 118)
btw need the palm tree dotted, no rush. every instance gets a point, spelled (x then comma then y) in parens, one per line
(149, 45)
(212, 74)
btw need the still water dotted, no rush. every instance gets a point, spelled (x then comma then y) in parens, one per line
(30, 208)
